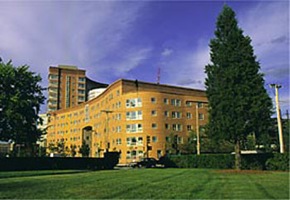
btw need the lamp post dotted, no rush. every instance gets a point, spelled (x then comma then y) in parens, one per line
(276, 86)
(106, 132)
(197, 123)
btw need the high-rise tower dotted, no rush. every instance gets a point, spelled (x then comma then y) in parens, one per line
(67, 87)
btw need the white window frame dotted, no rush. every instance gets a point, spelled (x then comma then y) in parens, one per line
(134, 115)
(133, 103)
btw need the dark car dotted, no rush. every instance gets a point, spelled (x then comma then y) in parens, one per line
(146, 162)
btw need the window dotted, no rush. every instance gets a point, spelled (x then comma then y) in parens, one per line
(154, 126)
(119, 141)
(177, 127)
(189, 127)
(81, 85)
(117, 92)
(133, 128)
(199, 104)
(140, 141)
(140, 153)
(154, 113)
(176, 102)
(53, 76)
(118, 129)
(188, 115)
(188, 103)
(132, 103)
(81, 98)
(154, 139)
(166, 113)
(167, 126)
(118, 104)
(134, 115)
(118, 116)
(176, 115)
(153, 100)
(82, 79)
(166, 101)
(128, 155)
(179, 140)
(201, 116)
(87, 114)
(131, 141)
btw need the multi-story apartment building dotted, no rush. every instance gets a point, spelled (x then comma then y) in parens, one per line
(68, 86)
(127, 116)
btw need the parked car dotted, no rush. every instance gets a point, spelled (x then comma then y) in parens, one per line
(145, 162)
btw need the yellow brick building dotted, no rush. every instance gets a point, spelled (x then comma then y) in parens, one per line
(126, 115)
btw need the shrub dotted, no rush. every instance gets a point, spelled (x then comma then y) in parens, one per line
(216, 161)
(227, 161)
(278, 162)
(255, 161)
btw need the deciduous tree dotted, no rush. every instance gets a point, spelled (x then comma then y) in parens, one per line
(20, 100)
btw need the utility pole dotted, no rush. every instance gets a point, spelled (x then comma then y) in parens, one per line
(276, 86)
(197, 131)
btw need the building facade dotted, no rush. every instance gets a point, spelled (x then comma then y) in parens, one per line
(68, 86)
(135, 118)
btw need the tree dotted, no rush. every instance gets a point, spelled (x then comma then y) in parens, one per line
(189, 145)
(61, 148)
(73, 151)
(20, 100)
(171, 144)
(238, 102)
(85, 149)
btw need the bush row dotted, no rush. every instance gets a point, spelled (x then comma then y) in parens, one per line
(57, 163)
(265, 161)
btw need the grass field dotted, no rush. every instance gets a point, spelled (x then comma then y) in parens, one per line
(144, 184)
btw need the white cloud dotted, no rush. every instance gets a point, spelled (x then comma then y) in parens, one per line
(125, 62)
(51, 33)
(268, 26)
(186, 68)
(167, 52)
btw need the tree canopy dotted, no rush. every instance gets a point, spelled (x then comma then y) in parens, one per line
(238, 102)
(20, 100)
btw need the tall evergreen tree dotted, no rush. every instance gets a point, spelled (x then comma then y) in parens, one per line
(238, 102)
(20, 100)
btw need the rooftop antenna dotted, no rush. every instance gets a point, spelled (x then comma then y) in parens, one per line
(158, 75)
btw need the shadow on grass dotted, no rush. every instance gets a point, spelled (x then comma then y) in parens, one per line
(16, 174)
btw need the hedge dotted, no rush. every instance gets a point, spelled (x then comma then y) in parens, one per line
(266, 161)
(110, 160)
(278, 162)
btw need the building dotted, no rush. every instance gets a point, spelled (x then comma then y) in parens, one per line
(135, 118)
(95, 93)
(68, 86)
(5, 148)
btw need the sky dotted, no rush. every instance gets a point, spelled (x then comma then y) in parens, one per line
(133, 39)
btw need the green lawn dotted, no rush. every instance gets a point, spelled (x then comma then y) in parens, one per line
(144, 184)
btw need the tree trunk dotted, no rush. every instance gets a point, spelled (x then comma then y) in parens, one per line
(237, 155)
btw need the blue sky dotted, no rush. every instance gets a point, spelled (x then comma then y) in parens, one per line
(132, 39)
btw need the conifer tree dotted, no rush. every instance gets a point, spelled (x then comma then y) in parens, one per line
(238, 102)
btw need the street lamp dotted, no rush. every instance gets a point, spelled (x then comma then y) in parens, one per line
(106, 132)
